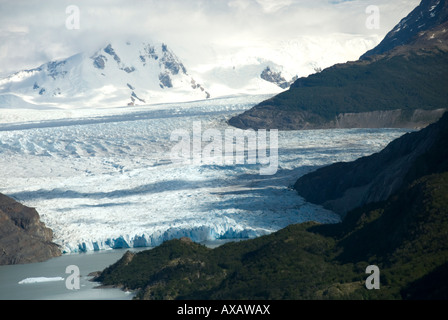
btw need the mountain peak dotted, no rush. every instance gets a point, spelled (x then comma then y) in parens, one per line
(118, 74)
(427, 15)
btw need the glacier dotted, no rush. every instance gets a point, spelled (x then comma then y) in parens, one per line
(102, 178)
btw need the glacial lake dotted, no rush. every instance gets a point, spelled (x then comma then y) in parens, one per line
(42, 281)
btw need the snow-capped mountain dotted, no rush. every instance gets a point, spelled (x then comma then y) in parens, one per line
(141, 73)
(119, 74)
(131, 73)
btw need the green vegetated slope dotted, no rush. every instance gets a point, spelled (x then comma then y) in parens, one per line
(405, 236)
(413, 81)
(416, 80)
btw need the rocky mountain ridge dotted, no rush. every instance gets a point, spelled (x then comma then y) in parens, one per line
(276, 78)
(428, 15)
(23, 237)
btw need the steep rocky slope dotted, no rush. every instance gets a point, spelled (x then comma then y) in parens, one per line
(23, 237)
(342, 187)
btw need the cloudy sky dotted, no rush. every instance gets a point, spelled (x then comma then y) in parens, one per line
(35, 32)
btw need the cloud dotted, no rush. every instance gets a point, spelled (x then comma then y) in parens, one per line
(34, 32)
(270, 6)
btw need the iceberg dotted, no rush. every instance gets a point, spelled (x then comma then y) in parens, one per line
(40, 280)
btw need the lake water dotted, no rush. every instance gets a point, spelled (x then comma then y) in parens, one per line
(55, 268)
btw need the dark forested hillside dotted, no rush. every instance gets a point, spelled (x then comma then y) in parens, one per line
(345, 186)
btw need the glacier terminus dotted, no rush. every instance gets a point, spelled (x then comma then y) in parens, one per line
(104, 179)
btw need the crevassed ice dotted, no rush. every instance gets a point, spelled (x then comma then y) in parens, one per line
(107, 181)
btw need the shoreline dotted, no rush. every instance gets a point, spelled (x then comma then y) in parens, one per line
(13, 284)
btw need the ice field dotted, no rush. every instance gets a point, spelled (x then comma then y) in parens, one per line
(103, 178)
